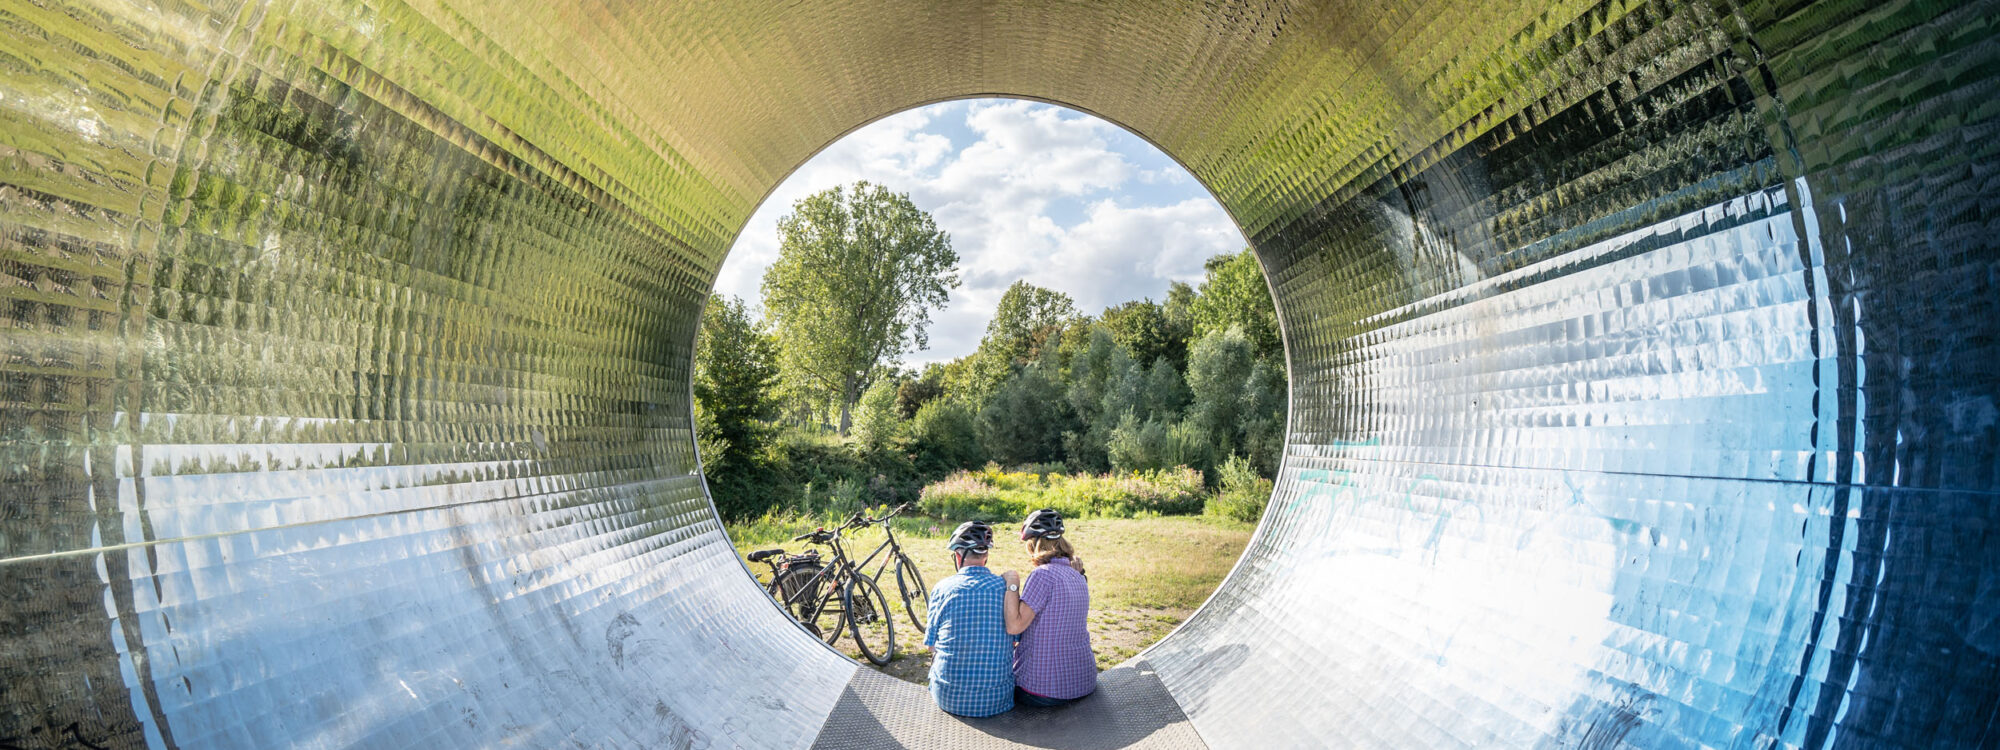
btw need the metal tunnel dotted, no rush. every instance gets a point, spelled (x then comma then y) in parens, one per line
(1644, 365)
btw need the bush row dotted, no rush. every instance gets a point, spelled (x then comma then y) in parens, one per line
(991, 494)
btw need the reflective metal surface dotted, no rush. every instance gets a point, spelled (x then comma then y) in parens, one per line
(1643, 363)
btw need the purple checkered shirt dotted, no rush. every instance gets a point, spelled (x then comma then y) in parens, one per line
(1054, 659)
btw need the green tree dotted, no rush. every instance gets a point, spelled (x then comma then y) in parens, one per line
(945, 436)
(1237, 398)
(920, 390)
(857, 275)
(1219, 365)
(1027, 318)
(1029, 321)
(1141, 327)
(1072, 341)
(1099, 394)
(708, 440)
(1179, 310)
(1234, 294)
(1092, 371)
(1165, 393)
(974, 377)
(1263, 425)
(734, 371)
(1024, 420)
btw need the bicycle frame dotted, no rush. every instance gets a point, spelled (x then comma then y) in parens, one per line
(829, 572)
(889, 543)
(841, 563)
(832, 590)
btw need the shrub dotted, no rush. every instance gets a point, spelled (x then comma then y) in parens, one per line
(945, 435)
(1024, 421)
(1243, 495)
(1041, 469)
(1154, 445)
(877, 423)
(808, 473)
(963, 496)
(991, 494)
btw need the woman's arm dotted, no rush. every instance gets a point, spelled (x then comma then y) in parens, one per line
(1019, 614)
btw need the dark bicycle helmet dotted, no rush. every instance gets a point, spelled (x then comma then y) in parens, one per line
(971, 535)
(1042, 524)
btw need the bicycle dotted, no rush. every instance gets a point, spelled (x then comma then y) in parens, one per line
(809, 591)
(909, 580)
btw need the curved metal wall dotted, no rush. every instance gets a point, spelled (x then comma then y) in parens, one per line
(1643, 362)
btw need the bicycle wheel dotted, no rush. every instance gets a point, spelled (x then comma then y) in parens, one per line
(826, 613)
(916, 595)
(869, 619)
(817, 607)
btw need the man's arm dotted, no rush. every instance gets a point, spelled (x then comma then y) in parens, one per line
(1019, 614)
(931, 617)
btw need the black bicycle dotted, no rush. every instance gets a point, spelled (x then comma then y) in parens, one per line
(833, 596)
(909, 580)
(836, 595)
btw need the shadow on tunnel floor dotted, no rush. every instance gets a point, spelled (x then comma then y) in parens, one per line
(1131, 709)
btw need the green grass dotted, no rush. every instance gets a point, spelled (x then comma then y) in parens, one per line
(1146, 574)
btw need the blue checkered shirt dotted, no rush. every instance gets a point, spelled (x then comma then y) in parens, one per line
(972, 657)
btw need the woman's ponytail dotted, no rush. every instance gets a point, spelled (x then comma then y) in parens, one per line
(1043, 549)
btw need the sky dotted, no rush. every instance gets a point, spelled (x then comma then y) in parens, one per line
(1027, 191)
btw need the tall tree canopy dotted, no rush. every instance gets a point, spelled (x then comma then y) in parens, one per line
(859, 270)
(1027, 316)
(1234, 294)
(1142, 327)
(1028, 320)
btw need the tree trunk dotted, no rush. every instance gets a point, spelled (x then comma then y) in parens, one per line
(847, 399)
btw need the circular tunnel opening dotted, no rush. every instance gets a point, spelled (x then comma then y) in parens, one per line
(1108, 348)
(1640, 369)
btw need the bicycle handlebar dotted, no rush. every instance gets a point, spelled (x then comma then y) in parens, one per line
(891, 514)
(856, 521)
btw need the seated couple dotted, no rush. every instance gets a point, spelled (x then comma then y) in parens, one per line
(977, 667)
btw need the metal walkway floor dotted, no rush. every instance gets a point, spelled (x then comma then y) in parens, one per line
(1130, 709)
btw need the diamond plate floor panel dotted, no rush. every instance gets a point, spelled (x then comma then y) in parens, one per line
(1130, 709)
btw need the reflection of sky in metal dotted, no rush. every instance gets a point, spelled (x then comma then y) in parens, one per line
(1558, 424)
(1641, 358)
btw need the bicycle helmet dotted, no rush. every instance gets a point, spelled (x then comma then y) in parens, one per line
(1042, 524)
(973, 536)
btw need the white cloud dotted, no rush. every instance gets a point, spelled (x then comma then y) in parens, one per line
(1062, 199)
(1029, 150)
(1173, 175)
(1121, 253)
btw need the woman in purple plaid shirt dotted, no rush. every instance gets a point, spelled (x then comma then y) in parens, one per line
(1053, 664)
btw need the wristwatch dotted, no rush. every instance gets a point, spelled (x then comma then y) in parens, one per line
(1014, 587)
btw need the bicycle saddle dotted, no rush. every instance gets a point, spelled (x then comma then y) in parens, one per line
(764, 554)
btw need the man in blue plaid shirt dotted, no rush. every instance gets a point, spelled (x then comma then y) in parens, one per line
(972, 657)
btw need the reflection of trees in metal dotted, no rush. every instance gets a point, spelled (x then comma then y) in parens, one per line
(1641, 363)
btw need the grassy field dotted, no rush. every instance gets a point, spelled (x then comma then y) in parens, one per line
(1146, 574)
